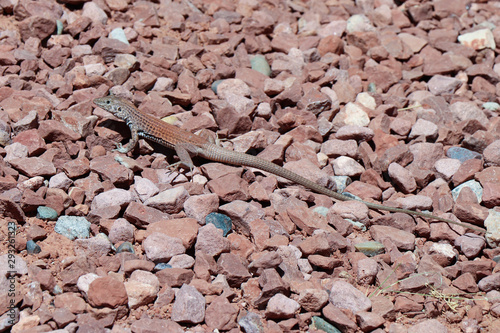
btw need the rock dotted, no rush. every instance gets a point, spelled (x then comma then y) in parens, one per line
(161, 248)
(343, 295)
(281, 307)
(107, 291)
(231, 266)
(189, 306)
(313, 299)
(221, 314)
(211, 241)
(428, 325)
(73, 227)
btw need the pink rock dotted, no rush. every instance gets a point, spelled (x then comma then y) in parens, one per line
(114, 197)
(71, 301)
(161, 248)
(211, 241)
(491, 282)
(402, 178)
(313, 299)
(281, 307)
(241, 214)
(110, 169)
(169, 201)
(121, 231)
(345, 296)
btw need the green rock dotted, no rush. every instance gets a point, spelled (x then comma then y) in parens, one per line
(46, 213)
(59, 27)
(215, 84)
(260, 64)
(371, 248)
(220, 221)
(321, 324)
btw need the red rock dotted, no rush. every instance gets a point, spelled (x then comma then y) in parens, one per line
(63, 316)
(229, 188)
(466, 282)
(339, 318)
(368, 321)
(142, 216)
(403, 240)
(175, 277)
(330, 44)
(316, 244)
(111, 170)
(467, 171)
(186, 229)
(34, 166)
(108, 48)
(156, 325)
(107, 291)
(32, 139)
(491, 194)
(231, 266)
(221, 314)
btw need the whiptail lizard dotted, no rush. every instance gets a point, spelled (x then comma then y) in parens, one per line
(187, 144)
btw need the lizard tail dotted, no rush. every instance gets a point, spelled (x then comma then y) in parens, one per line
(216, 153)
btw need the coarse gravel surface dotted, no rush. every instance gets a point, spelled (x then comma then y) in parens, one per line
(395, 102)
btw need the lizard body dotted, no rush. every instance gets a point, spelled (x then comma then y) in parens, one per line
(187, 144)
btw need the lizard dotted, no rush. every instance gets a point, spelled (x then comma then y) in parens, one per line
(187, 144)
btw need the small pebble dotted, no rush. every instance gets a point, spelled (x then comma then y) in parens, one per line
(462, 154)
(119, 34)
(59, 27)
(321, 324)
(57, 290)
(46, 213)
(162, 265)
(215, 84)
(32, 247)
(125, 247)
(260, 64)
(370, 248)
(251, 323)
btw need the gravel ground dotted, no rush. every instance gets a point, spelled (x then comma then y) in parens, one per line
(395, 102)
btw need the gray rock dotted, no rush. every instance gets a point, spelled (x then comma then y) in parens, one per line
(189, 306)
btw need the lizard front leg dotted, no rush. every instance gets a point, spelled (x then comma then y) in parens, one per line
(134, 137)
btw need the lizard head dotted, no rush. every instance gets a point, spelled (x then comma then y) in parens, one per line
(112, 104)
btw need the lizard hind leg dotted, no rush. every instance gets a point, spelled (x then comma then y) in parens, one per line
(183, 152)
